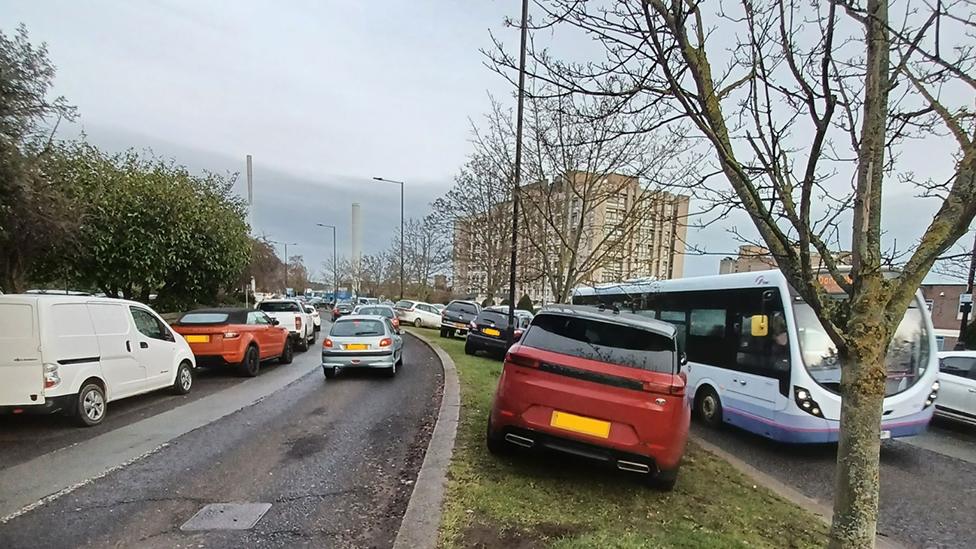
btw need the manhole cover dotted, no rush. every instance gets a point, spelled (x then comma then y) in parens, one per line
(227, 516)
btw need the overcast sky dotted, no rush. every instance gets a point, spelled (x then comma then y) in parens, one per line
(324, 94)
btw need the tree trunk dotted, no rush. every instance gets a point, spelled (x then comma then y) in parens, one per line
(12, 280)
(857, 475)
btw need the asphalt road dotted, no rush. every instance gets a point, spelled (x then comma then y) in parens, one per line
(928, 499)
(336, 460)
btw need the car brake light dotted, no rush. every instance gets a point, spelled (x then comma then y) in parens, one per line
(521, 360)
(298, 323)
(231, 335)
(518, 334)
(675, 388)
(51, 377)
(327, 343)
(386, 342)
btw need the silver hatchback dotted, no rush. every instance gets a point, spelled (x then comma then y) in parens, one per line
(361, 341)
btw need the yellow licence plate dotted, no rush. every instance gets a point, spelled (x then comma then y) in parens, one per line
(580, 424)
(491, 332)
(197, 339)
(357, 347)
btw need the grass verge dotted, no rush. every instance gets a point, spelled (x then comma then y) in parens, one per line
(555, 501)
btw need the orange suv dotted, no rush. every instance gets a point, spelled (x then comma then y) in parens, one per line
(238, 337)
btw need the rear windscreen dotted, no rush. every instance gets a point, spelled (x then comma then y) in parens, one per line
(204, 318)
(404, 304)
(353, 328)
(378, 311)
(463, 308)
(602, 341)
(279, 307)
(498, 319)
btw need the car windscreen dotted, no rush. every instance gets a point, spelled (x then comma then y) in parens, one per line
(279, 307)
(500, 320)
(357, 327)
(602, 341)
(463, 308)
(379, 311)
(204, 318)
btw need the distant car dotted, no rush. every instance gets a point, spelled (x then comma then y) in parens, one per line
(417, 314)
(314, 313)
(342, 308)
(367, 301)
(78, 354)
(380, 310)
(598, 384)
(457, 316)
(368, 342)
(957, 386)
(290, 313)
(489, 331)
(439, 306)
(235, 337)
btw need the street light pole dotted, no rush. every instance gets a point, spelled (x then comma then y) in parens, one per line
(517, 176)
(335, 263)
(400, 183)
(286, 244)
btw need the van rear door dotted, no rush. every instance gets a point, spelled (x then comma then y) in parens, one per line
(21, 369)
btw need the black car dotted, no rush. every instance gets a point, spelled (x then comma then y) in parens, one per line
(489, 331)
(342, 308)
(457, 317)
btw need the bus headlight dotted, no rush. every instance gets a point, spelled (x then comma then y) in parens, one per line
(934, 394)
(805, 401)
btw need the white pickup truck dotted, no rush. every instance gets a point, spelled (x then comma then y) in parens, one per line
(291, 314)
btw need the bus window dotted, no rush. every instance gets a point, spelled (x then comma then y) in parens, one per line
(680, 321)
(707, 322)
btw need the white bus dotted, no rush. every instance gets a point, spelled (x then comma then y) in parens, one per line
(759, 359)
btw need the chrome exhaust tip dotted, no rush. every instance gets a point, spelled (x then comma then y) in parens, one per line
(633, 467)
(519, 440)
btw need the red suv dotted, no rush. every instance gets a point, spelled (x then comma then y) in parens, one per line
(595, 383)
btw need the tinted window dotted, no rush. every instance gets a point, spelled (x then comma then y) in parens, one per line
(602, 341)
(460, 307)
(357, 327)
(498, 319)
(379, 311)
(203, 318)
(280, 307)
(962, 366)
(707, 322)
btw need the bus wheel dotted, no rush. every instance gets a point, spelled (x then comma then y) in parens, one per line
(708, 407)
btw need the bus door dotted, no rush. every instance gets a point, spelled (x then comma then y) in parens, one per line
(760, 379)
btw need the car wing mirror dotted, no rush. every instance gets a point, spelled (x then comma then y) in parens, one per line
(683, 358)
(274, 322)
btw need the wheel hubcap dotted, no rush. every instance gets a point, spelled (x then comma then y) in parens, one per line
(186, 380)
(94, 405)
(708, 406)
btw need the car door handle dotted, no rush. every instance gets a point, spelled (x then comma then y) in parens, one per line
(739, 381)
(972, 390)
(143, 345)
(128, 346)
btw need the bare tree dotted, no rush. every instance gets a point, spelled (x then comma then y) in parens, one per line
(792, 98)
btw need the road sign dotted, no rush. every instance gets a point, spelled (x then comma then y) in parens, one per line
(966, 303)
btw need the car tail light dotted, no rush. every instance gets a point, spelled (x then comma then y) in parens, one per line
(386, 342)
(51, 377)
(231, 335)
(327, 343)
(518, 334)
(521, 360)
(298, 323)
(396, 322)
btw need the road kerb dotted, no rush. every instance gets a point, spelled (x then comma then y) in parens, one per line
(783, 490)
(421, 522)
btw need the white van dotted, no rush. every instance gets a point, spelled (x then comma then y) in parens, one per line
(75, 354)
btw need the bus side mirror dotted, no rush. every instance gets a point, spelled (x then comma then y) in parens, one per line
(760, 326)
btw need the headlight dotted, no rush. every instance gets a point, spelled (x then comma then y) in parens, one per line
(805, 402)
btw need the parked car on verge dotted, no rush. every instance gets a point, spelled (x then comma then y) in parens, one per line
(362, 342)
(416, 313)
(957, 386)
(290, 313)
(457, 316)
(438, 306)
(599, 384)
(489, 331)
(74, 355)
(342, 308)
(316, 318)
(380, 310)
(235, 337)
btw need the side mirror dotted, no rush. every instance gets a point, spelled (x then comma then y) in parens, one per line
(274, 322)
(760, 326)
(683, 359)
